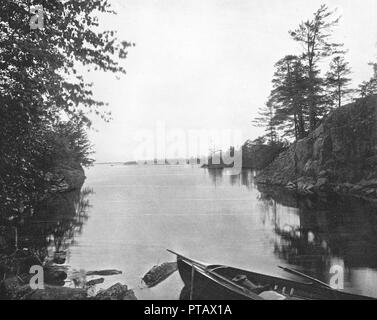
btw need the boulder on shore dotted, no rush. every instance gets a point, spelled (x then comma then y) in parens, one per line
(116, 292)
(66, 177)
(159, 273)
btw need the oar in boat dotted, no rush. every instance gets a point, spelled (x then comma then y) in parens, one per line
(303, 275)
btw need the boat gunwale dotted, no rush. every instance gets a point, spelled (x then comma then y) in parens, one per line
(306, 286)
(227, 283)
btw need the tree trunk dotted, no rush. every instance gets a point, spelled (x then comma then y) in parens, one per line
(296, 127)
(301, 123)
(312, 103)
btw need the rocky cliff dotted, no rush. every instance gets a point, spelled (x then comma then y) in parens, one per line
(340, 156)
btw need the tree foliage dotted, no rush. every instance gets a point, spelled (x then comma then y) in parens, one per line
(369, 87)
(290, 91)
(303, 93)
(41, 84)
(315, 37)
(266, 119)
(337, 81)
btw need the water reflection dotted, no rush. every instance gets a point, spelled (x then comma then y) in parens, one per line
(216, 176)
(50, 231)
(211, 216)
(245, 178)
(316, 233)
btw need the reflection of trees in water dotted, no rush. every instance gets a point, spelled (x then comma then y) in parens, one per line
(65, 231)
(54, 225)
(235, 179)
(327, 229)
(268, 207)
(216, 175)
(245, 178)
(304, 248)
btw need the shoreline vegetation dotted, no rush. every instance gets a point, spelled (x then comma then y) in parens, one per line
(45, 105)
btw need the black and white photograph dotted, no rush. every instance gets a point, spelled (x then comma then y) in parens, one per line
(188, 150)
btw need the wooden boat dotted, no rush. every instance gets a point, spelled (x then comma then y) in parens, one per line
(218, 282)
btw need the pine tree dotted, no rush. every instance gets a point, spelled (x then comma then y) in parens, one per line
(290, 96)
(337, 81)
(369, 88)
(266, 120)
(314, 36)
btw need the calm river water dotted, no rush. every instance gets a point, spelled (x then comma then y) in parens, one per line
(136, 212)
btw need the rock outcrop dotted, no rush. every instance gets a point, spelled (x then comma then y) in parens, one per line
(65, 178)
(340, 155)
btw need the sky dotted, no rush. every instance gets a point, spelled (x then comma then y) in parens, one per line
(207, 65)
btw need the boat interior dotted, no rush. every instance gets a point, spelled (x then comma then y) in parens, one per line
(267, 290)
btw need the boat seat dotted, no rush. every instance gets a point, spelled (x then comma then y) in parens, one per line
(284, 290)
(272, 295)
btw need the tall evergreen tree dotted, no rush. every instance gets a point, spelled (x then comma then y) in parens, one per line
(337, 81)
(369, 88)
(290, 96)
(266, 119)
(314, 35)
